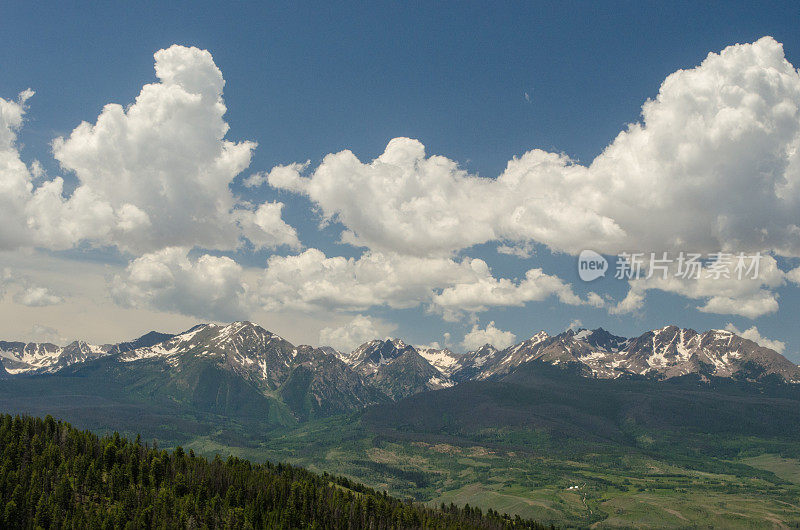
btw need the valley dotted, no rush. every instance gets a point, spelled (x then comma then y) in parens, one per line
(532, 430)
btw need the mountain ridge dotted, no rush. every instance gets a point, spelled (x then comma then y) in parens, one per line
(545, 397)
(243, 358)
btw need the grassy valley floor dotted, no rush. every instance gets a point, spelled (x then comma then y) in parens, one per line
(549, 446)
(607, 487)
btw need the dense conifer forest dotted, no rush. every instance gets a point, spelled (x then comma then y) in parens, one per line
(55, 476)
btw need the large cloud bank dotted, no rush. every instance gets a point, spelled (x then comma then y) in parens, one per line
(151, 175)
(713, 165)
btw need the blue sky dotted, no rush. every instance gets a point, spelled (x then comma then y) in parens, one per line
(477, 84)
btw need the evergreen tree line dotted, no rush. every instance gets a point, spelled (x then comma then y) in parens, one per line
(55, 476)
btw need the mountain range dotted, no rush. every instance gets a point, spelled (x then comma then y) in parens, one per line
(222, 367)
(519, 425)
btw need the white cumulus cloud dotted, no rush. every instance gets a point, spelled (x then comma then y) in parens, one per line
(749, 297)
(34, 296)
(26, 291)
(713, 165)
(151, 175)
(360, 329)
(794, 275)
(313, 280)
(753, 334)
(498, 338)
(487, 291)
(219, 288)
(575, 324)
(168, 280)
(16, 184)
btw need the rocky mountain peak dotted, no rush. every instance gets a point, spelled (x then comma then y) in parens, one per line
(408, 373)
(391, 367)
(442, 359)
(370, 355)
(602, 339)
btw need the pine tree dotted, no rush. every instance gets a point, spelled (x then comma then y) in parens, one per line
(54, 476)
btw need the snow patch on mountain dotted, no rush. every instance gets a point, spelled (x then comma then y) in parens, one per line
(24, 358)
(443, 360)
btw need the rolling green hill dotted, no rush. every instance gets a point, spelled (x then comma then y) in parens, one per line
(542, 442)
(152, 400)
(55, 476)
(569, 450)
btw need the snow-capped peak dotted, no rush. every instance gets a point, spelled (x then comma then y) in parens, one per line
(368, 357)
(445, 361)
(582, 334)
(32, 357)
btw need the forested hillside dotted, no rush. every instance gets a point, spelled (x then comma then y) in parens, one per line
(55, 476)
